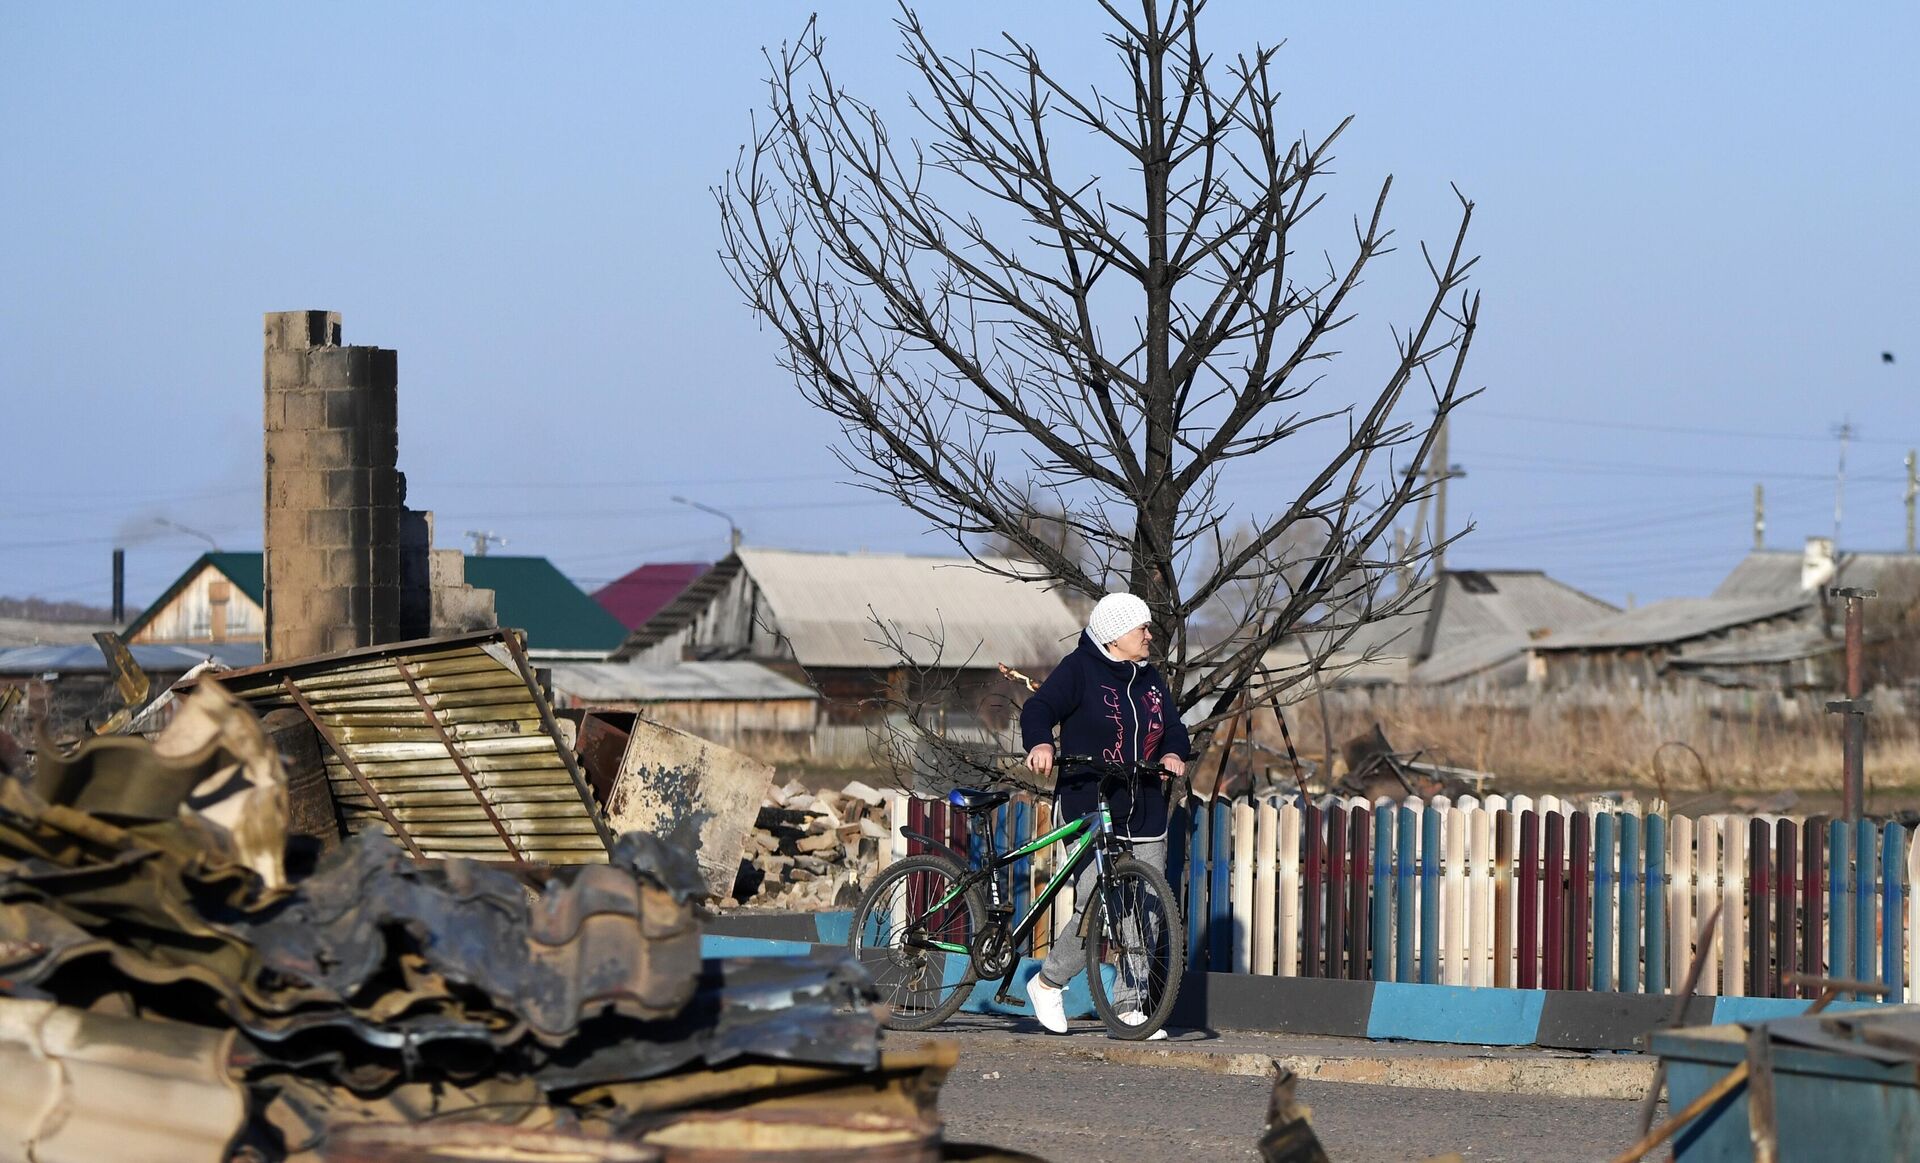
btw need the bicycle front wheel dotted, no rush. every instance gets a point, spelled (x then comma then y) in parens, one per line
(915, 943)
(1136, 950)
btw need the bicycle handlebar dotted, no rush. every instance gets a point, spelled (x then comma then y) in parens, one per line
(1110, 767)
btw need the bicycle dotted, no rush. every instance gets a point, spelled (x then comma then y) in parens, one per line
(932, 925)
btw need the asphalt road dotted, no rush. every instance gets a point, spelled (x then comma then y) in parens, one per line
(1067, 1108)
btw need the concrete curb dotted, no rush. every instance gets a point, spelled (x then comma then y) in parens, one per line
(1380, 1010)
(1550, 1077)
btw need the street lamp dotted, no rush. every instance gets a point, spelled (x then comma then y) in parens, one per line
(733, 530)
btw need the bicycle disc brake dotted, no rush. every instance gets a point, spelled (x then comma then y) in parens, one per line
(993, 948)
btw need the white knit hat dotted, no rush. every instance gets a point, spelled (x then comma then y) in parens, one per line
(1116, 614)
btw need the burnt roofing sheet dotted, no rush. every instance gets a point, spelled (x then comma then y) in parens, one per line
(444, 744)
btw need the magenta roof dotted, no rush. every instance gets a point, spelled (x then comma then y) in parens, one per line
(644, 592)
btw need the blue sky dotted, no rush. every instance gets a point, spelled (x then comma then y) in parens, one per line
(1698, 225)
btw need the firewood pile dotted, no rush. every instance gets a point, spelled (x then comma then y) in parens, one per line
(812, 850)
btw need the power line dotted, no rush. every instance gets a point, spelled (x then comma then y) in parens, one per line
(1679, 429)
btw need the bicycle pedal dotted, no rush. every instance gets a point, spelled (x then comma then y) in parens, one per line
(1005, 998)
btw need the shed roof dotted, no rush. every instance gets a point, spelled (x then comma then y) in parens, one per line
(1673, 621)
(738, 680)
(1775, 573)
(646, 591)
(85, 658)
(1475, 605)
(40, 632)
(824, 603)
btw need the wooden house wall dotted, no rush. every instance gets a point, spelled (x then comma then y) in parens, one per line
(189, 616)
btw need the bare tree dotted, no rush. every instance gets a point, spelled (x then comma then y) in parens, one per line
(1060, 307)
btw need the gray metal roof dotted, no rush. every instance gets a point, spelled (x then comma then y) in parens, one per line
(1476, 605)
(1771, 573)
(37, 632)
(1789, 644)
(823, 603)
(682, 682)
(1672, 621)
(82, 658)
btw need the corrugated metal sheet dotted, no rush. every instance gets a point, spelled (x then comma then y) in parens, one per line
(822, 604)
(1788, 645)
(497, 785)
(84, 1087)
(1672, 621)
(1475, 605)
(86, 657)
(1775, 573)
(686, 682)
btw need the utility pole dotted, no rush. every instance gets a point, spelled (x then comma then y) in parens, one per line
(1913, 490)
(1759, 517)
(1439, 471)
(1855, 706)
(481, 539)
(1845, 432)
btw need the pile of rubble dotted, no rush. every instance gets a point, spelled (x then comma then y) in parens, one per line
(813, 850)
(178, 981)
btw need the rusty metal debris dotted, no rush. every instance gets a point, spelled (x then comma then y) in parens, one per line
(82, 1087)
(447, 745)
(1289, 1136)
(365, 1005)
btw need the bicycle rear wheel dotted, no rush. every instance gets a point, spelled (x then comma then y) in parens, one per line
(897, 933)
(1136, 950)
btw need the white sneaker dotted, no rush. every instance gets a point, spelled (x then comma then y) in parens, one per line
(1049, 1004)
(1134, 1018)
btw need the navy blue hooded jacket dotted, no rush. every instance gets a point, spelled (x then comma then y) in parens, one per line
(1118, 711)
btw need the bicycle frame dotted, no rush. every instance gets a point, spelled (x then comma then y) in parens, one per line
(1090, 830)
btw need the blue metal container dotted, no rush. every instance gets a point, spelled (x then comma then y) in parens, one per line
(1828, 1104)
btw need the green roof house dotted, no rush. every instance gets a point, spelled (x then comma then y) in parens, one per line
(222, 598)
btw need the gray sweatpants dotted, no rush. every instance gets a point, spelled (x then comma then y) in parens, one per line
(1069, 953)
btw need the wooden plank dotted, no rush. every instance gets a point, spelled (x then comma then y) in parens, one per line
(1759, 976)
(1785, 912)
(1454, 910)
(1406, 890)
(1219, 890)
(1314, 877)
(1336, 889)
(1813, 859)
(1480, 897)
(1605, 894)
(1286, 925)
(1840, 961)
(1733, 918)
(1503, 840)
(1244, 869)
(1430, 906)
(1359, 859)
(1553, 903)
(1384, 815)
(1632, 896)
(1579, 918)
(1706, 872)
(1266, 855)
(1527, 873)
(1680, 868)
(1655, 892)
(1893, 862)
(1866, 947)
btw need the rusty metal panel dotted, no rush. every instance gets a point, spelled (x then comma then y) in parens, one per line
(444, 744)
(83, 1087)
(691, 793)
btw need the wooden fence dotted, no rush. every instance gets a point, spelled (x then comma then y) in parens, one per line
(1513, 893)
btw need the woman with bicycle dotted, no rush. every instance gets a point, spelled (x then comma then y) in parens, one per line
(1105, 700)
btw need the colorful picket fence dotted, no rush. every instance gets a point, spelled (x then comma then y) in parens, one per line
(1516, 892)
